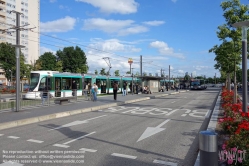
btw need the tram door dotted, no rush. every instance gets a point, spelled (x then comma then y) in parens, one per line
(45, 82)
(57, 87)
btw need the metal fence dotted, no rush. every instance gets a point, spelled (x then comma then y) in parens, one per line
(9, 102)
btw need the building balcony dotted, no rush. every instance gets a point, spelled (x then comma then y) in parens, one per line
(2, 13)
(2, 18)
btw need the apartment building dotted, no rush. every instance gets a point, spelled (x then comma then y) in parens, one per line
(30, 18)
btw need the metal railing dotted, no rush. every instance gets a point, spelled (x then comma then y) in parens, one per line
(9, 102)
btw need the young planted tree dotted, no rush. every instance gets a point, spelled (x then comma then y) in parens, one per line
(116, 73)
(96, 72)
(102, 72)
(230, 49)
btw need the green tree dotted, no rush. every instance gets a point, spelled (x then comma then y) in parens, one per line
(59, 66)
(96, 72)
(74, 60)
(48, 61)
(8, 62)
(116, 73)
(102, 72)
(7, 59)
(36, 65)
(128, 72)
(230, 48)
(137, 74)
(187, 78)
(108, 73)
(144, 74)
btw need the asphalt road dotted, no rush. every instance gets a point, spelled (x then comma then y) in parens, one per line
(160, 131)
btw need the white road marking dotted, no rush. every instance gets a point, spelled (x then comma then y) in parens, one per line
(184, 114)
(152, 130)
(1, 134)
(208, 114)
(78, 122)
(62, 146)
(198, 112)
(13, 137)
(164, 163)
(123, 155)
(35, 141)
(173, 101)
(171, 112)
(79, 138)
(88, 150)
(5, 111)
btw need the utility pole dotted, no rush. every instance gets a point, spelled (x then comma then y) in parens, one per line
(107, 60)
(141, 66)
(169, 78)
(132, 87)
(17, 46)
(17, 28)
(215, 79)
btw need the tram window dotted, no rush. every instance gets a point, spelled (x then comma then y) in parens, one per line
(66, 83)
(57, 83)
(45, 82)
(77, 81)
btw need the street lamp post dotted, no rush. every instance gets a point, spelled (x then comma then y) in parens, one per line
(244, 25)
(132, 83)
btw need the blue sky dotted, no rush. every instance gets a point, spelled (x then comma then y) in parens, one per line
(178, 33)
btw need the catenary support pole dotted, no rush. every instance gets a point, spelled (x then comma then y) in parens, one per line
(17, 61)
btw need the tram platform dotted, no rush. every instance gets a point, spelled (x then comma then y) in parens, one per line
(33, 114)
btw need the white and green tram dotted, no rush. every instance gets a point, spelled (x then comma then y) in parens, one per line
(61, 84)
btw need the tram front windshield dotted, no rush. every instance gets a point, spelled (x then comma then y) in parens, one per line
(194, 83)
(34, 80)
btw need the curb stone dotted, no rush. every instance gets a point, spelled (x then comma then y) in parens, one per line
(212, 123)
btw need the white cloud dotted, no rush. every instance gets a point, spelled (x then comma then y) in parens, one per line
(64, 7)
(114, 6)
(119, 27)
(110, 48)
(112, 45)
(52, 1)
(154, 23)
(45, 49)
(181, 72)
(164, 49)
(201, 67)
(132, 30)
(60, 25)
(174, 1)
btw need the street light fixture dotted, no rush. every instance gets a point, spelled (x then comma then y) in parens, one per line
(244, 25)
(132, 83)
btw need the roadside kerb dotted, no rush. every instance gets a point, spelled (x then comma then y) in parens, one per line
(212, 124)
(68, 113)
(61, 114)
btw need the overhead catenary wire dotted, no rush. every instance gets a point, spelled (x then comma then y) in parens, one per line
(80, 44)
(76, 44)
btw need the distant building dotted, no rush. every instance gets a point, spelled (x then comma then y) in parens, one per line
(30, 10)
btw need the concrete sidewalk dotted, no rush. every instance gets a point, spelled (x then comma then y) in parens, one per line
(28, 115)
(212, 125)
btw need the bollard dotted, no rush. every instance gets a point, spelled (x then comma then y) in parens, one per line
(208, 148)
